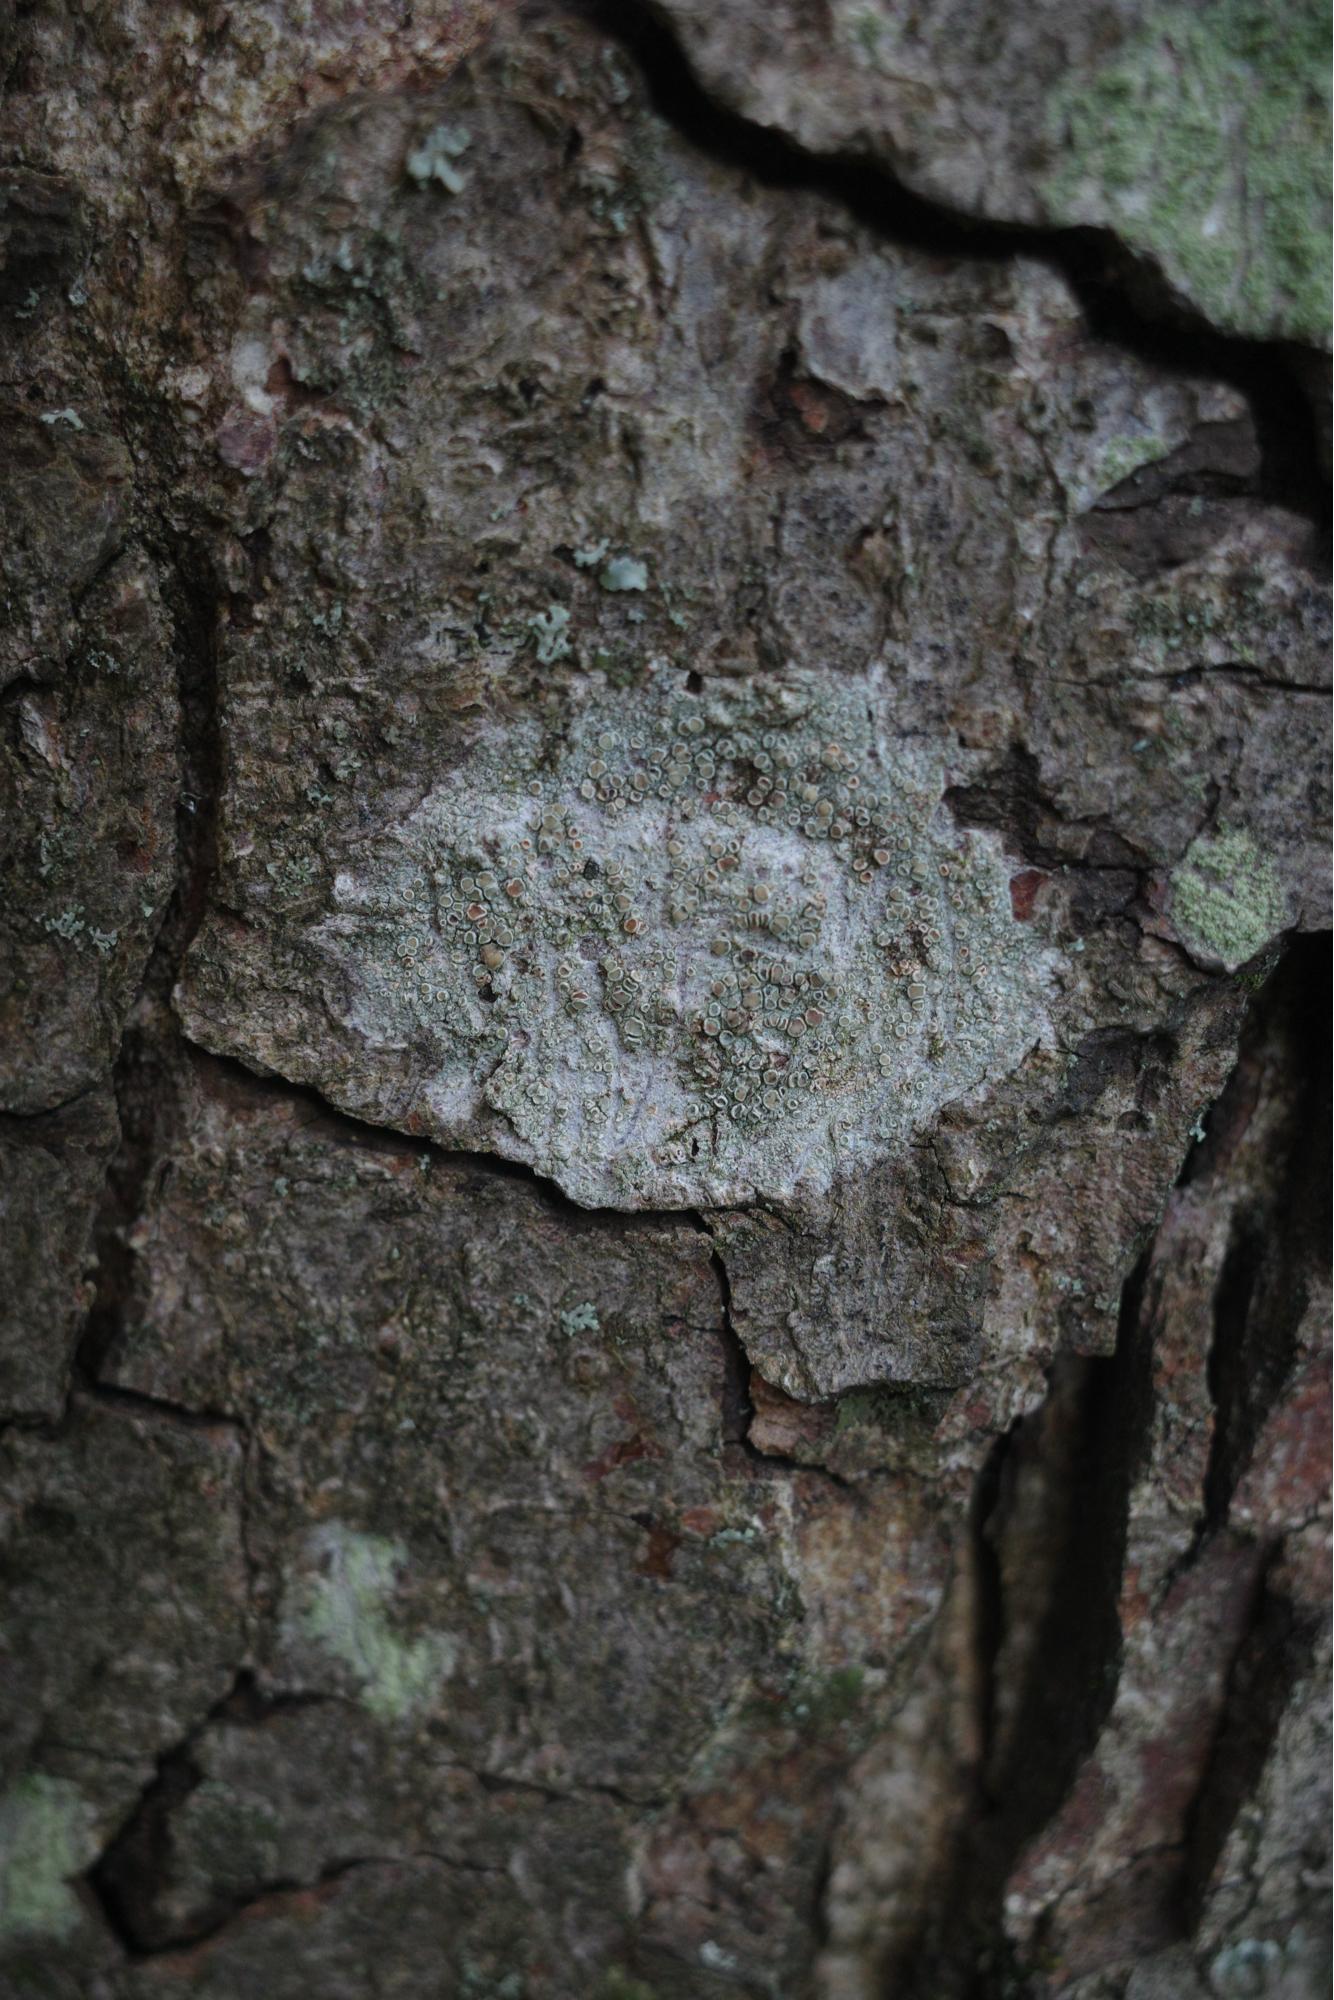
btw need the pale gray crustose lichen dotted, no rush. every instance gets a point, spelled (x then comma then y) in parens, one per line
(676, 949)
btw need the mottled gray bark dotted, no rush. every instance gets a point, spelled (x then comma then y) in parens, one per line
(664, 1103)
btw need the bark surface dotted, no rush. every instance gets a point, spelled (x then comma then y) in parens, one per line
(664, 1088)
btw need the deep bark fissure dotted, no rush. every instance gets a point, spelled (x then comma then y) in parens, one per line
(1234, 1295)
(1276, 1649)
(133, 1869)
(1078, 1450)
(196, 610)
(1278, 1232)
(129, 1875)
(989, 1587)
(737, 1405)
(388, 1139)
(270, 1898)
(1009, 800)
(1241, 670)
(141, 1078)
(738, 1409)
(137, 1079)
(1069, 1681)
(161, 1409)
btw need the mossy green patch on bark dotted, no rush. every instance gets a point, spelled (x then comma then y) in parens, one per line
(1227, 901)
(1205, 141)
(45, 1839)
(1125, 454)
(345, 1611)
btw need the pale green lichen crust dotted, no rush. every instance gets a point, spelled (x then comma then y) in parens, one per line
(343, 1609)
(676, 947)
(1204, 139)
(1227, 900)
(1124, 454)
(46, 1829)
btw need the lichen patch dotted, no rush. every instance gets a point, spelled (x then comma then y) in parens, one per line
(1205, 139)
(1227, 900)
(678, 945)
(344, 1610)
(46, 1828)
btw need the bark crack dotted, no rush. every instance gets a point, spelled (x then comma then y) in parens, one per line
(130, 1874)
(738, 1407)
(363, 1132)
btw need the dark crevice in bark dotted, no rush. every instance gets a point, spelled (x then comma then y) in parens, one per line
(738, 1407)
(1077, 1457)
(501, 1781)
(25, 1120)
(930, 1961)
(135, 1870)
(1276, 1651)
(1070, 1674)
(140, 1088)
(989, 1588)
(819, 1911)
(1171, 511)
(1009, 800)
(1125, 301)
(129, 1877)
(194, 596)
(249, 1705)
(158, 1408)
(273, 1897)
(389, 1139)
(20, 687)
(1050, 1518)
(1234, 1295)
(141, 1075)
(1242, 670)
(144, 1073)
(1280, 1227)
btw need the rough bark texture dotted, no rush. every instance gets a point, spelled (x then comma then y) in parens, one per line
(664, 1095)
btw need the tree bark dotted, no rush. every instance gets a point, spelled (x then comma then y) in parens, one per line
(665, 1095)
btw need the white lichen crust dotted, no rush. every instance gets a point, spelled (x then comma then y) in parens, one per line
(677, 948)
